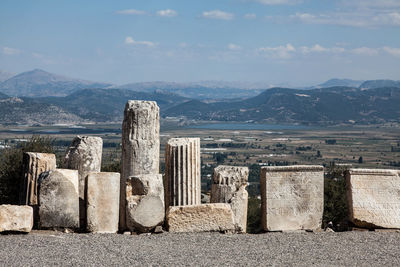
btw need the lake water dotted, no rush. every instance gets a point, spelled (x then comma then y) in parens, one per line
(248, 126)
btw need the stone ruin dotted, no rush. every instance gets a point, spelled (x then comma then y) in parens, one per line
(139, 200)
(59, 199)
(182, 172)
(142, 208)
(292, 197)
(229, 186)
(84, 154)
(102, 202)
(373, 198)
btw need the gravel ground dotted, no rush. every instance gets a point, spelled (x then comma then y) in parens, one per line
(211, 249)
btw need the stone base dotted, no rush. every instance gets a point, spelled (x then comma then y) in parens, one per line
(216, 217)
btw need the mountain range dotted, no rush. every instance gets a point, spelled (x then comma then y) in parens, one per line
(39, 97)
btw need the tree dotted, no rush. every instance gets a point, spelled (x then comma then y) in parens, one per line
(360, 160)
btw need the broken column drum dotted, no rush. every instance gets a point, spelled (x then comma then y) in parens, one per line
(34, 164)
(229, 186)
(140, 145)
(182, 172)
(84, 154)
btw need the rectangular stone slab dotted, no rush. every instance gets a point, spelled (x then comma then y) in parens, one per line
(102, 202)
(216, 217)
(373, 197)
(16, 218)
(292, 197)
(59, 199)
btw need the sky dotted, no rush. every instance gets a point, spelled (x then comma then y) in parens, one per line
(297, 42)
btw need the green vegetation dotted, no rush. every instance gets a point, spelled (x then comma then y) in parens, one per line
(254, 216)
(11, 166)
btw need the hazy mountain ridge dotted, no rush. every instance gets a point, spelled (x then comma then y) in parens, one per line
(39, 83)
(318, 106)
(4, 75)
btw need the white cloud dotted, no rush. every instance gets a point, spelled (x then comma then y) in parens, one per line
(392, 51)
(234, 47)
(353, 19)
(278, 2)
(365, 51)
(373, 4)
(217, 14)
(250, 16)
(167, 13)
(320, 49)
(131, 12)
(10, 51)
(281, 51)
(130, 41)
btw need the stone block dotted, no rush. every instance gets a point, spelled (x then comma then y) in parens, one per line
(144, 202)
(16, 218)
(216, 217)
(34, 164)
(102, 200)
(229, 186)
(59, 199)
(373, 197)
(292, 197)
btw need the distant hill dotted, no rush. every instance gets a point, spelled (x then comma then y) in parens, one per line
(4, 75)
(318, 106)
(379, 83)
(16, 110)
(193, 90)
(340, 82)
(39, 83)
(108, 104)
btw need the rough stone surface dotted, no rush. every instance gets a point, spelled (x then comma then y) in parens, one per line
(102, 201)
(16, 218)
(292, 197)
(216, 217)
(373, 198)
(182, 172)
(84, 154)
(229, 186)
(59, 199)
(34, 164)
(144, 202)
(140, 145)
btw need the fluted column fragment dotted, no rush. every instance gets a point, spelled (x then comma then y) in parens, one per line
(182, 172)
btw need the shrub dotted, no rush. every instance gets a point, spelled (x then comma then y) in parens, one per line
(254, 216)
(11, 166)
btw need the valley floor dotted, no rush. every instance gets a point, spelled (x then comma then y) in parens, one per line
(205, 249)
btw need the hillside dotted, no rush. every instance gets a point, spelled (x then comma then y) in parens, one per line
(108, 104)
(318, 106)
(39, 83)
(340, 82)
(193, 90)
(379, 83)
(4, 75)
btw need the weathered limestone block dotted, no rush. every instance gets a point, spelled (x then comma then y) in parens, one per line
(102, 201)
(229, 186)
(373, 197)
(144, 202)
(182, 172)
(34, 164)
(216, 217)
(84, 154)
(140, 145)
(292, 197)
(59, 199)
(16, 218)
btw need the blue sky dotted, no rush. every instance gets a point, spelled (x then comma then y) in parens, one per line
(298, 42)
